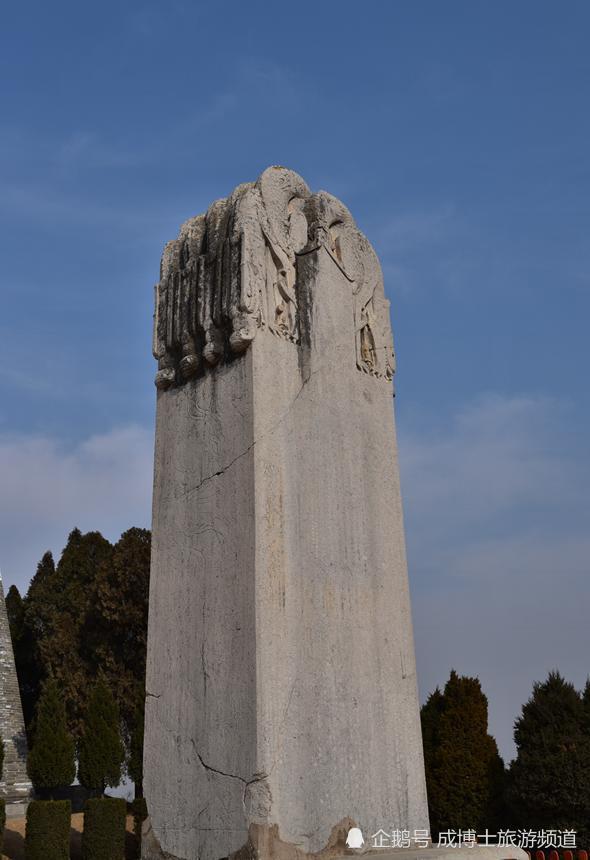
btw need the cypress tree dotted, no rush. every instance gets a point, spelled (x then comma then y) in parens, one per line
(463, 768)
(52, 759)
(38, 608)
(101, 750)
(16, 614)
(72, 598)
(115, 634)
(430, 715)
(549, 781)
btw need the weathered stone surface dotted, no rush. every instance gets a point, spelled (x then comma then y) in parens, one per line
(15, 785)
(233, 271)
(281, 686)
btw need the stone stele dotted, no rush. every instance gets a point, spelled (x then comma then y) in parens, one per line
(282, 703)
(15, 786)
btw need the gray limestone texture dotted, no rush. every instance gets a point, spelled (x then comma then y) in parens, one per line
(15, 785)
(281, 703)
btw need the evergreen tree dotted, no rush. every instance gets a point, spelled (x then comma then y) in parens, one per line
(463, 768)
(38, 606)
(549, 781)
(52, 758)
(16, 614)
(86, 615)
(101, 750)
(64, 600)
(430, 715)
(115, 633)
(40, 599)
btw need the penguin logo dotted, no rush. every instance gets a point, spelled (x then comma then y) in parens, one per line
(355, 838)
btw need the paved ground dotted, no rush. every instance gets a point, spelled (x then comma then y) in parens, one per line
(14, 838)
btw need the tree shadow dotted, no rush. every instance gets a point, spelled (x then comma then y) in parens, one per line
(13, 846)
(75, 844)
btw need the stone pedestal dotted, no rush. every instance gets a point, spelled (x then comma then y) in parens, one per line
(282, 701)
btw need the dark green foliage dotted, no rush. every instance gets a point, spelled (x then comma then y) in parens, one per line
(116, 633)
(68, 599)
(25, 641)
(15, 611)
(101, 750)
(2, 820)
(85, 616)
(464, 772)
(48, 830)
(549, 781)
(139, 812)
(135, 762)
(104, 829)
(52, 758)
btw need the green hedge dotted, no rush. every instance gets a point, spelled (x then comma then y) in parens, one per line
(104, 829)
(48, 830)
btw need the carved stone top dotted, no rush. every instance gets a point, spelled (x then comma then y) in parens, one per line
(233, 271)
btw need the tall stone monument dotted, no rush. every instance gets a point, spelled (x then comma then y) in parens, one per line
(282, 702)
(15, 786)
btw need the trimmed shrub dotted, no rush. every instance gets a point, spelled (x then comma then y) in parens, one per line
(101, 750)
(48, 830)
(104, 829)
(52, 759)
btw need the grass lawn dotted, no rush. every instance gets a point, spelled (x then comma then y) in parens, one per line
(14, 838)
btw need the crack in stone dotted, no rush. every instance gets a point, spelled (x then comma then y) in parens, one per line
(263, 435)
(248, 449)
(153, 695)
(256, 778)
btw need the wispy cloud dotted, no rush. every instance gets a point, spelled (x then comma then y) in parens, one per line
(497, 509)
(103, 483)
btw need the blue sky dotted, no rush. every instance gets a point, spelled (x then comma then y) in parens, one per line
(458, 135)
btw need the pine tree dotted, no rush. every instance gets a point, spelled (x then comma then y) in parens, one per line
(549, 781)
(52, 758)
(101, 750)
(463, 768)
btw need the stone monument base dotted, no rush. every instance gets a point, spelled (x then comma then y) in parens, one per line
(17, 809)
(264, 843)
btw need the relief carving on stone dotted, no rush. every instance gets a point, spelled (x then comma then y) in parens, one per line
(233, 271)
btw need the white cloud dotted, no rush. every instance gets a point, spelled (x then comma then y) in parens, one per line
(103, 483)
(496, 515)
(496, 511)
